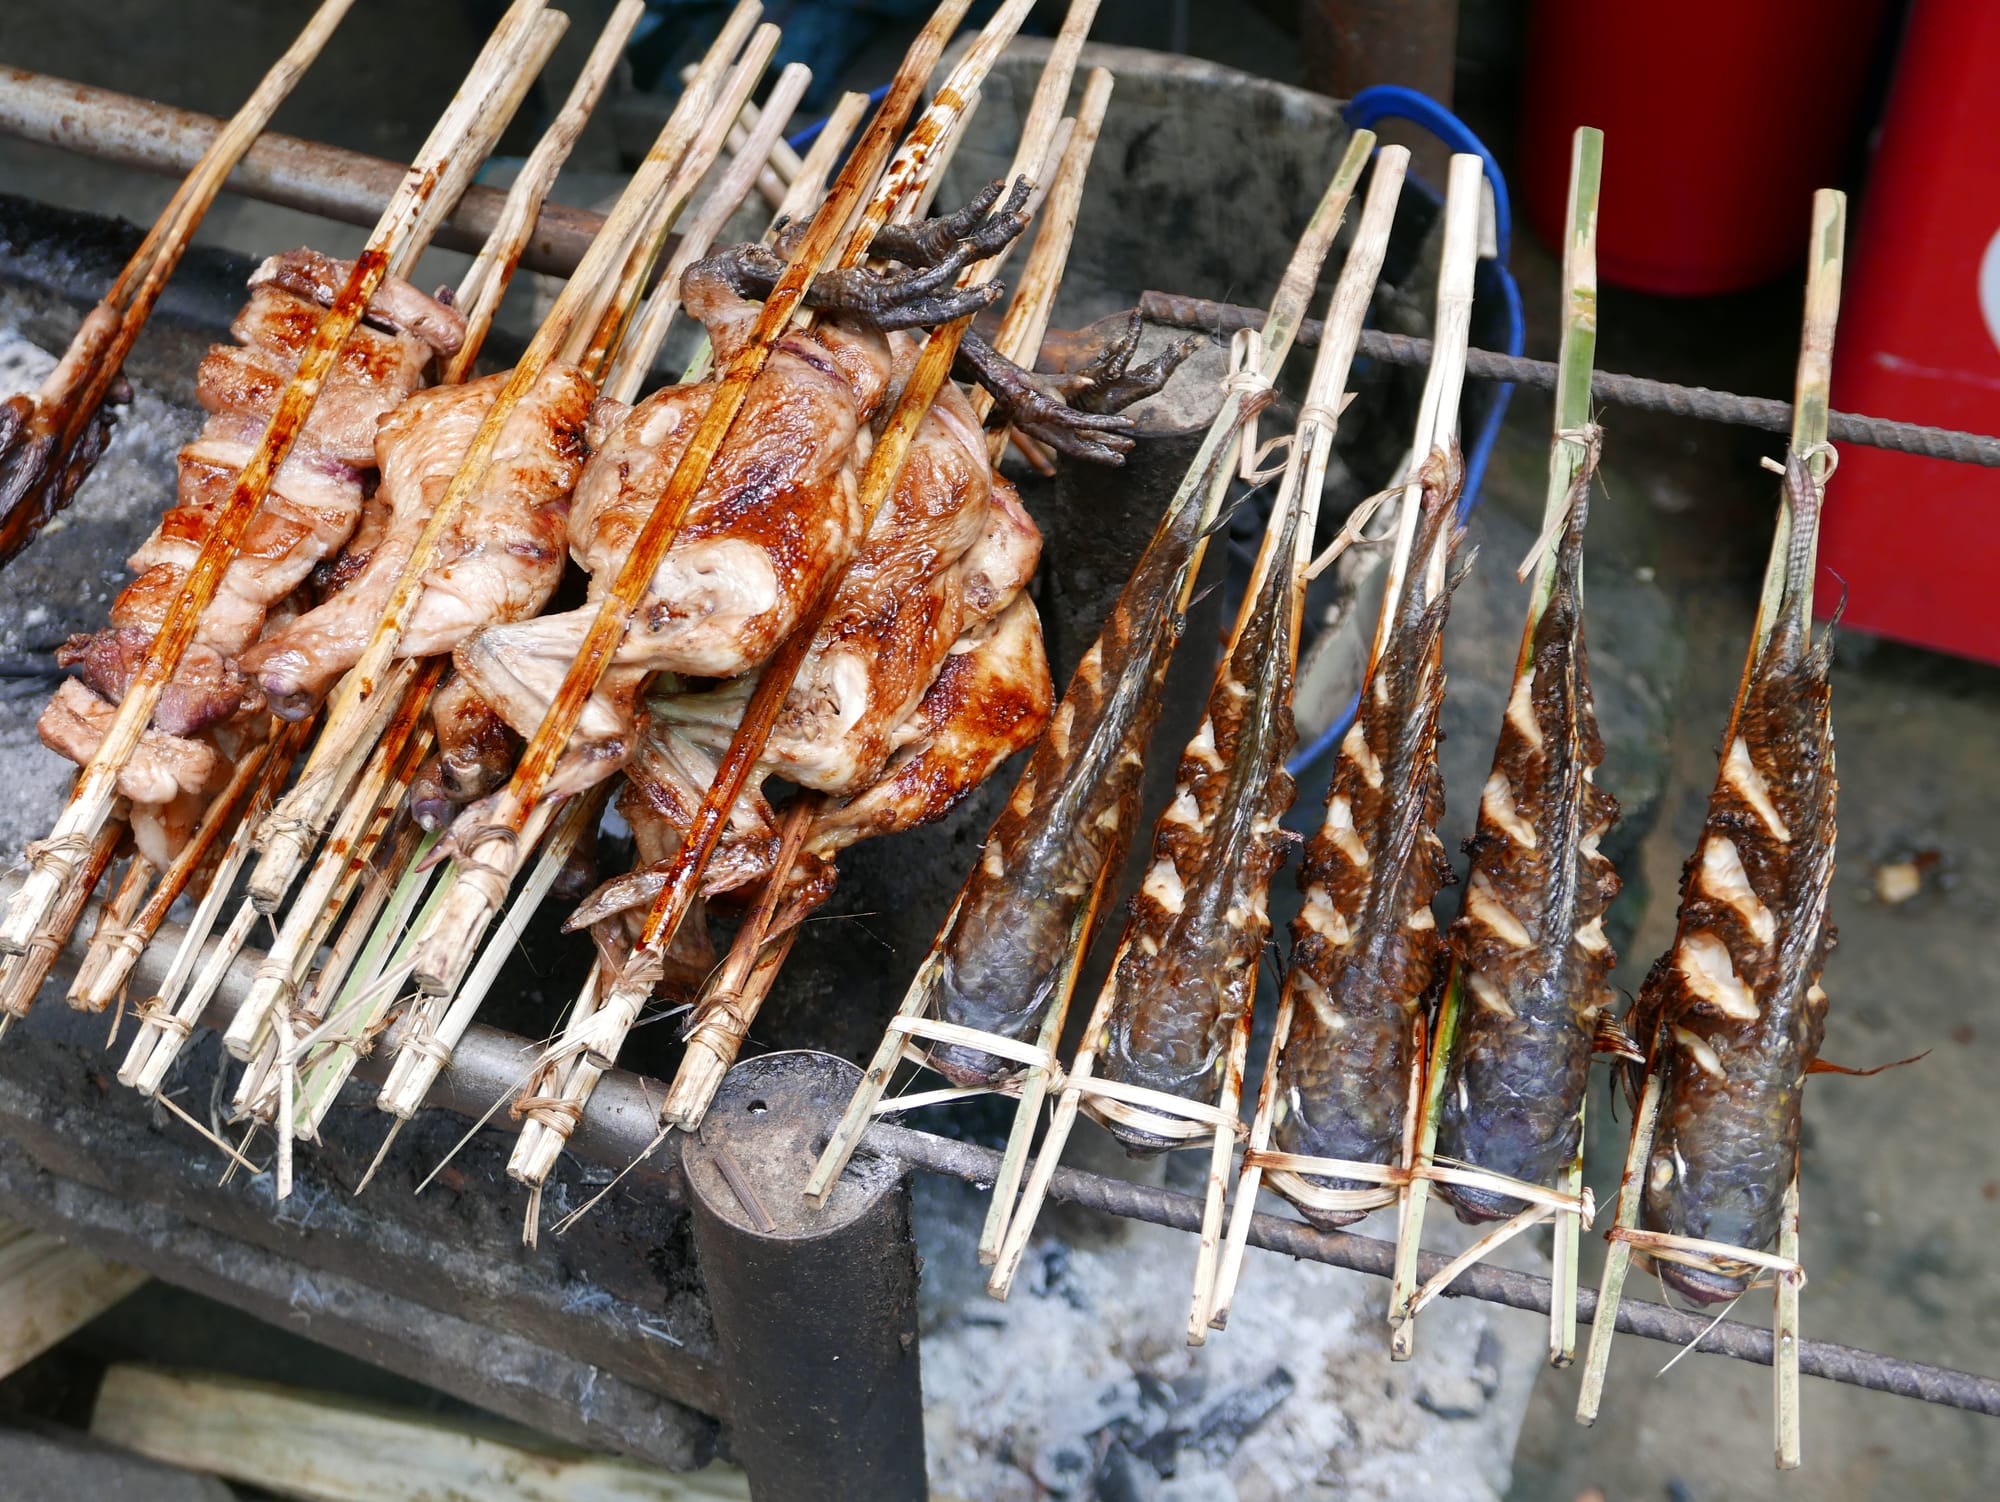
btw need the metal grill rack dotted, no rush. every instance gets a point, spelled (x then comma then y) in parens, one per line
(561, 1350)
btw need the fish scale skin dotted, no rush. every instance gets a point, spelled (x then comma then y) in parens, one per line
(1358, 1006)
(1514, 1091)
(1726, 1147)
(1186, 978)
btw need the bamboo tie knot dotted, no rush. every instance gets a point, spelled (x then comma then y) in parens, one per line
(154, 1012)
(555, 1112)
(60, 850)
(489, 878)
(426, 1046)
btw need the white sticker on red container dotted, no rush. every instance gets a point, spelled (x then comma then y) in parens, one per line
(1989, 288)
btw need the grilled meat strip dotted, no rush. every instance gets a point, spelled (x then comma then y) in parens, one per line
(1734, 1012)
(1366, 954)
(1187, 965)
(315, 498)
(500, 561)
(1529, 940)
(314, 502)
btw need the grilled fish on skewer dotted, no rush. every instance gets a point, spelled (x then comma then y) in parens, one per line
(1071, 814)
(1734, 1012)
(1366, 953)
(1530, 944)
(501, 560)
(1187, 964)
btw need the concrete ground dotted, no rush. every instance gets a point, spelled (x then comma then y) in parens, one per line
(1902, 1202)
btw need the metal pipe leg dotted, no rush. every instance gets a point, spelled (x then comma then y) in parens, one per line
(815, 1309)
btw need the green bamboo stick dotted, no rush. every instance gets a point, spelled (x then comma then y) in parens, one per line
(1569, 451)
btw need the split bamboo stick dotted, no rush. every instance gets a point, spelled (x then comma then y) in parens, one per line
(485, 282)
(22, 978)
(106, 965)
(606, 333)
(311, 914)
(627, 370)
(1569, 451)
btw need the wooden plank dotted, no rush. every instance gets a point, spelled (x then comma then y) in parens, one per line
(335, 1449)
(49, 1290)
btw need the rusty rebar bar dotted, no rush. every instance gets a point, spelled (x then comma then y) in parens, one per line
(1614, 390)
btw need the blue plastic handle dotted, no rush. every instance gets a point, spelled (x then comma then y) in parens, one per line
(810, 134)
(1393, 101)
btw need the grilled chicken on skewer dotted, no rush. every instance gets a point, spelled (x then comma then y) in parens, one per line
(1366, 953)
(777, 512)
(952, 547)
(990, 700)
(500, 562)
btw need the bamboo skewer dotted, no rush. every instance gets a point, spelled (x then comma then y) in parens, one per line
(369, 991)
(485, 282)
(635, 356)
(310, 916)
(165, 1016)
(75, 390)
(1294, 513)
(728, 1005)
(1437, 423)
(489, 858)
(717, 108)
(427, 1046)
(803, 197)
(777, 165)
(1569, 451)
(293, 827)
(106, 965)
(442, 171)
(1203, 487)
(1809, 444)
(21, 979)
(709, 1053)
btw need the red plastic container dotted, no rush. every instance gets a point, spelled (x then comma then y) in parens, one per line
(1917, 541)
(1720, 117)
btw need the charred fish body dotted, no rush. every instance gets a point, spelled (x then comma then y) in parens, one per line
(1366, 953)
(1529, 941)
(1070, 817)
(1735, 1011)
(1187, 967)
